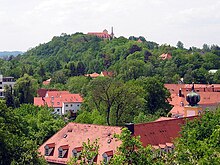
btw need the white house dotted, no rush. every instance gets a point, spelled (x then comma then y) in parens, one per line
(61, 101)
(5, 81)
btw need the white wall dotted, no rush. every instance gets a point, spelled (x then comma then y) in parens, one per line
(70, 106)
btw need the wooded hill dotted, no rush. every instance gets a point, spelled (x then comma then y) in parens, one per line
(77, 54)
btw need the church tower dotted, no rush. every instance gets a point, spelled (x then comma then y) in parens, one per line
(193, 108)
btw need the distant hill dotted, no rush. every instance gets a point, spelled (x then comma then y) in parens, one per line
(9, 53)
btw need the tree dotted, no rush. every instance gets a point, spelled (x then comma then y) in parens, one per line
(156, 95)
(42, 124)
(72, 68)
(114, 99)
(80, 68)
(199, 142)
(131, 151)
(9, 97)
(25, 89)
(179, 45)
(15, 145)
(88, 154)
(76, 84)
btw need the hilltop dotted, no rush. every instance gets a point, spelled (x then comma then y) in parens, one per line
(78, 54)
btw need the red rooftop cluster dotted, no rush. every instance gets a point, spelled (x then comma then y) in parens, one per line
(68, 141)
(209, 95)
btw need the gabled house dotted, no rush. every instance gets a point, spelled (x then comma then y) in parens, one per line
(61, 101)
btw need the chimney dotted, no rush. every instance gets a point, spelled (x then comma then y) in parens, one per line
(130, 127)
(180, 92)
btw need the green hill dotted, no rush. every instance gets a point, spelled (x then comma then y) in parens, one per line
(77, 54)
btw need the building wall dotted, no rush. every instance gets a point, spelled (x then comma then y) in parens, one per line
(5, 81)
(58, 110)
(74, 107)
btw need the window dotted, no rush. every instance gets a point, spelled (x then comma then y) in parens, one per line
(58, 110)
(107, 156)
(66, 105)
(71, 105)
(49, 149)
(63, 151)
(76, 152)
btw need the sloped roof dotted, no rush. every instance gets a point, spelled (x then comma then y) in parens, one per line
(165, 56)
(208, 95)
(100, 34)
(47, 82)
(58, 100)
(56, 93)
(74, 134)
(93, 75)
(164, 118)
(159, 132)
(107, 74)
(42, 92)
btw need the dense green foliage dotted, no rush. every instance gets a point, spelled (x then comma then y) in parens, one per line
(134, 94)
(199, 142)
(131, 151)
(71, 55)
(22, 130)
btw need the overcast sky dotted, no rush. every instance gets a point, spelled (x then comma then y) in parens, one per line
(27, 23)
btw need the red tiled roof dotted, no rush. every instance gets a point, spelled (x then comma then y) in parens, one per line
(93, 75)
(165, 56)
(74, 134)
(103, 34)
(164, 118)
(107, 74)
(208, 95)
(47, 82)
(159, 132)
(56, 93)
(58, 100)
(42, 92)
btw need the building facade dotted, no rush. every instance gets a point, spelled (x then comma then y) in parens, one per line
(5, 81)
(62, 102)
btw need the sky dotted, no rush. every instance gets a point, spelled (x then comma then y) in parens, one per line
(25, 24)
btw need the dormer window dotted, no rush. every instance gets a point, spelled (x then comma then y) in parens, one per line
(77, 152)
(107, 156)
(49, 149)
(63, 151)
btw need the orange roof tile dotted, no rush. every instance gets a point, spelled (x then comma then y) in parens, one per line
(164, 118)
(159, 132)
(165, 56)
(209, 96)
(107, 74)
(57, 101)
(93, 75)
(74, 134)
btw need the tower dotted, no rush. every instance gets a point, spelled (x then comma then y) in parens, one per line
(112, 33)
(193, 108)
